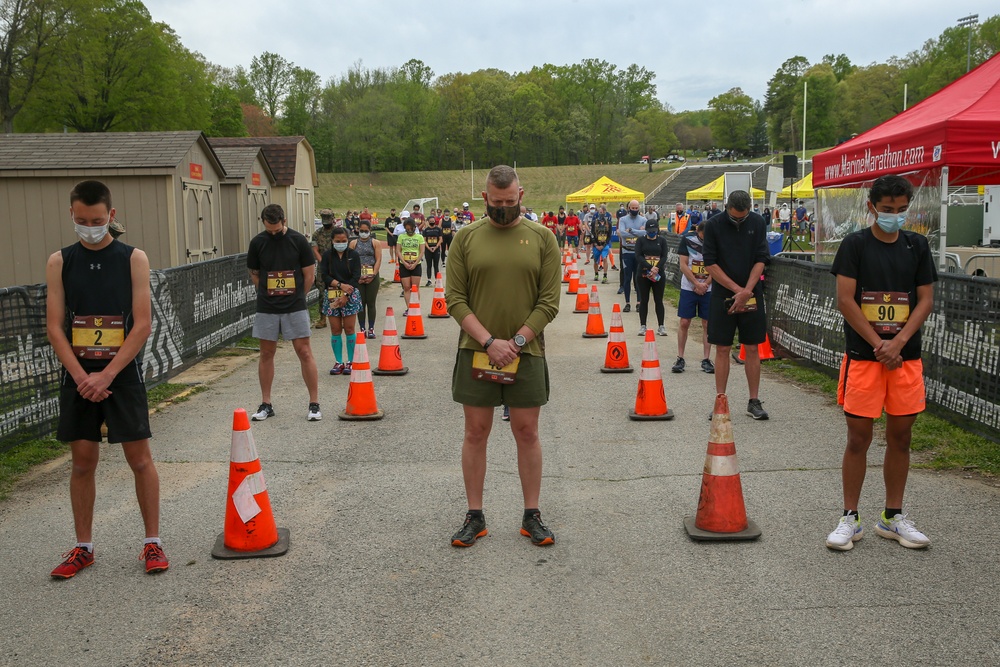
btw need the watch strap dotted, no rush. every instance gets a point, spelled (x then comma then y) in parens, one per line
(488, 342)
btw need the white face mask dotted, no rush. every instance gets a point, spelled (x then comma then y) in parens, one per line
(364, 235)
(91, 235)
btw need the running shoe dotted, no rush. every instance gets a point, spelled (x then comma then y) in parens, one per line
(614, 268)
(678, 366)
(263, 412)
(532, 526)
(661, 330)
(902, 530)
(473, 528)
(402, 294)
(604, 281)
(76, 559)
(337, 369)
(597, 277)
(505, 416)
(156, 560)
(627, 307)
(371, 333)
(755, 410)
(406, 313)
(621, 290)
(347, 368)
(427, 284)
(314, 414)
(847, 532)
(707, 366)
(642, 330)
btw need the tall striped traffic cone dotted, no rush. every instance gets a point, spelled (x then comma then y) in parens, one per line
(616, 357)
(650, 401)
(764, 349)
(566, 265)
(582, 295)
(439, 308)
(721, 515)
(390, 358)
(595, 323)
(414, 319)
(395, 276)
(249, 530)
(574, 279)
(361, 403)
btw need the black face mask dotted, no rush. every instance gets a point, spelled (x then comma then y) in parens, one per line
(504, 215)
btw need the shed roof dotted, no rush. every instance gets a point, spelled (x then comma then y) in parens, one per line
(281, 154)
(100, 150)
(238, 161)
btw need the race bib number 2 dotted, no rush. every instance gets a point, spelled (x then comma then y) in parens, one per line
(887, 312)
(280, 283)
(98, 336)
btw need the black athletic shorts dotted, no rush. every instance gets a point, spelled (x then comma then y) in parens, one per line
(722, 326)
(407, 273)
(125, 411)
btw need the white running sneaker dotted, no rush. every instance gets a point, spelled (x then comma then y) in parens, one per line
(314, 413)
(642, 330)
(263, 412)
(902, 530)
(661, 330)
(847, 532)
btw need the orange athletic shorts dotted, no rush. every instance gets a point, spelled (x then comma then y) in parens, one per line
(866, 387)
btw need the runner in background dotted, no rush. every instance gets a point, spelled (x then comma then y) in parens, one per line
(341, 271)
(573, 232)
(651, 258)
(447, 232)
(696, 295)
(600, 235)
(391, 222)
(410, 253)
(432, 239)
(369, 249)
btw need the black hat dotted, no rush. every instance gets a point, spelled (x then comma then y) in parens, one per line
(652, 226)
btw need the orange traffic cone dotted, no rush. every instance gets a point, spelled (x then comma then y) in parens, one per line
(438, 306)
(650, 401)
(361, 404)
(390, 359)
(616, 358)
(582, 295)
(249, 530)
(395, 276)
(721, 514)
(764, 349)
(595, 323)
(566, 265)
(414, 320)
(574, 279)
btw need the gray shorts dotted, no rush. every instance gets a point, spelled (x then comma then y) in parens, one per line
(267, 326)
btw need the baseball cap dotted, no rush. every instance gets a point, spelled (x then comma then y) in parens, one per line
(404, 215)
(652, 226)
(465, 204)
(326, 212)
(593, 207)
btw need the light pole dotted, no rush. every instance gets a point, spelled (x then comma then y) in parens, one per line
(968, 21)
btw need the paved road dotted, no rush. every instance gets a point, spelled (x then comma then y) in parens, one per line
(370, 578)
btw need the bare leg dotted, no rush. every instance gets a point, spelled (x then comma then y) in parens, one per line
(524, 426)
(308, 365)
(147, 484)
(82, 489)
(859, 438)
(896, 467)
(265, 368)
(722, 367)
(682, 336)
(752, 368)
(704, 340)
(478, 424)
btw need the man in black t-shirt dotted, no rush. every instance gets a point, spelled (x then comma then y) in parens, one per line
(283, 269)
(885, 290)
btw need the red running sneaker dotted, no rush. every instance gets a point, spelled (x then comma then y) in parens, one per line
(76, 559)
(156, 560)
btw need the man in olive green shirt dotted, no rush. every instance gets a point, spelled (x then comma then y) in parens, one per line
(503, 288)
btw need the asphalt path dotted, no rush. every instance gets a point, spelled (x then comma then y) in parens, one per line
(371, 579)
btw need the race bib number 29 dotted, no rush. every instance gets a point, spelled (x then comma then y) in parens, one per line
(280, 283)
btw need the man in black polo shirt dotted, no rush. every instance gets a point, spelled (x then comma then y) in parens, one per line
(735, 254)
(283, 268)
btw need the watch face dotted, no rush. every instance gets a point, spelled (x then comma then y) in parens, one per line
(519, 340)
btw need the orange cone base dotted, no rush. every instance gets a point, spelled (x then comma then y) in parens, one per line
(752, 532)
(435, 317)
(408, 336)
(222, 552)
(636, 417)
(361, 418)
(628, 369)
(582, 310)
(402, 371)
(600, 335)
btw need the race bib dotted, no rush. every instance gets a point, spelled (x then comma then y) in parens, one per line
(367, 271)
(751, 304)
(483, 369)
(98, 336)
(653, 260)
(446, 231)
(334, 294)
(432, 242)
(410, 255)
(602, 237)
(887, 312)
(280, 283)
(698, 268)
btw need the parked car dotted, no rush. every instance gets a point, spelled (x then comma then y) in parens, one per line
(659, 160)
(673, 157)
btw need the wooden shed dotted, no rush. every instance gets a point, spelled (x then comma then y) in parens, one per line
(245, 192)
(165, 187)
(294, 166)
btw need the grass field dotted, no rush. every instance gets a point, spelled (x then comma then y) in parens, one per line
(545, 188)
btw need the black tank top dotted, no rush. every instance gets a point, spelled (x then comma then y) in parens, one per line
(99, 282)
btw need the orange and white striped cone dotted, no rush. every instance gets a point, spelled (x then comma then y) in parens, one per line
(650, 400)
(414, 319)
(616, 357)
(722, 514)
(574, 280)
(439, 308)
(582, 295)
(566, 265)
(595, 323)
(390, 358)
(764, 349)
(249, 530)
(361, 403)
(395, 276)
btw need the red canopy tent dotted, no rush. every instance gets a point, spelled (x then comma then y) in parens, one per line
(953, 136)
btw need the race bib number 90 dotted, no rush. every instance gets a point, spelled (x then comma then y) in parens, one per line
(887, 312)
(280, 283)
(98, 336)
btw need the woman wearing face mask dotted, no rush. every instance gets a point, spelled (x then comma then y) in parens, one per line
(650, 257)
(410, 253)
(432, 239)
(341, 270)
(369, 249)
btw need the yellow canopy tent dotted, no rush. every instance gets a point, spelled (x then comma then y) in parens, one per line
(604, 190)
(714, 190)
(801, 189)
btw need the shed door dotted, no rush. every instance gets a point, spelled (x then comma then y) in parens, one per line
(202, 230)
(304, 212)
(256, 201)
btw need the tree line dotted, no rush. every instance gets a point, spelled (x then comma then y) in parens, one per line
(105, 65)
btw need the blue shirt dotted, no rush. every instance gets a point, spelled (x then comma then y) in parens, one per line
(629, 229)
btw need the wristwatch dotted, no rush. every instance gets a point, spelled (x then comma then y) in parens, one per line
(520, 340)
(488, 342)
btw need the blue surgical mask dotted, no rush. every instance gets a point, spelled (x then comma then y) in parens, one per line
(890, 223)
(340, 247)
(651, 235)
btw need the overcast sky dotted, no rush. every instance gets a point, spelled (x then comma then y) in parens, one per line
(697, 49)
